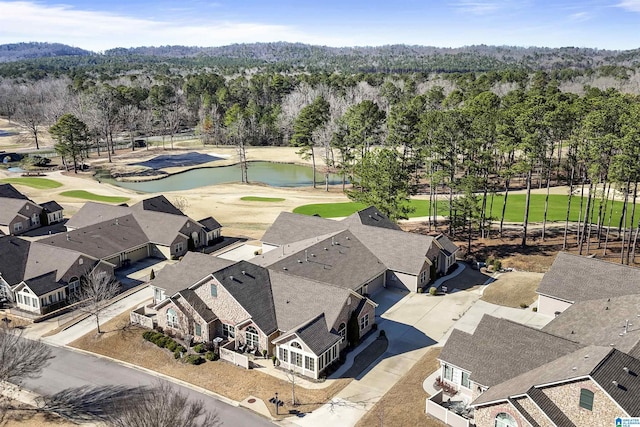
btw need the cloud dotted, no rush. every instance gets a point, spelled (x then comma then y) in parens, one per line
(477, 7)
(98, 30)
(630, 5)
(580, 16)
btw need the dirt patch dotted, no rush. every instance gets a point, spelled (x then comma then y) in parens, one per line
(513, 288)
(124, 342)
(404, 403)
(22, 415)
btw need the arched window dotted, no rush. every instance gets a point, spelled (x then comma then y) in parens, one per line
(342, 330)
(505, 420)
(296, 345)
(251, 335)
(172, 318)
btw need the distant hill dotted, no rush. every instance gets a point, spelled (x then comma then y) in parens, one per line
(20, 51)
(287, 56)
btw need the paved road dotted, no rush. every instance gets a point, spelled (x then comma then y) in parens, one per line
(73, 369)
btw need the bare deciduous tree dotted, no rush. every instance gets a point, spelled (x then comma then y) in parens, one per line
(181, 203)
(20, 359)
(162, 406)
(96, 290)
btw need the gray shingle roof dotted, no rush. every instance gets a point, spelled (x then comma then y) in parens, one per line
(8, 191)
(101, 240)
(193, 267)
(577, 364)
(297, 299)
(210, 223)
(14, 253)
(600, 322)
(9, 208)
(575, 278)
(157, 204)
(289, 227)
(500, 349)
(92, 213)
(341, 260)
(626, 390)
(446, 244)
(549, 408)
(198, 305)
(44, 258)
(316, 335)
(44, 284)
(51, 206)
(372, 217)
(249, 284)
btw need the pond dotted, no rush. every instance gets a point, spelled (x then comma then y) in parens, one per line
(273, 174)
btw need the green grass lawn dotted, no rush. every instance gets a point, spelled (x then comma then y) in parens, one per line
(261, 199)
(33, 182)
(81, 194)
(514, 212)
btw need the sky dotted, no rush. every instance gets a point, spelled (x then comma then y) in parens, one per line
(98, 25)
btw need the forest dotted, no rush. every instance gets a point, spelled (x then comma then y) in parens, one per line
(460, 137)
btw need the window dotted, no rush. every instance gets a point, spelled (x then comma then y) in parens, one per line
(20, 298)
(34, 302)
(342, 330)
(364, 321)
(214, 290)
(505, 420)
(296, 345)
(172, 318)
(228, 331)
(179, 247)
(448, 372)
(465, 380)
(251, 335)
(309, 363)
(423, 276)
(284, 355)
(17, 226)
(197, 329)
(586, 399)
(296, 358)
(74, 285)
(157, 294)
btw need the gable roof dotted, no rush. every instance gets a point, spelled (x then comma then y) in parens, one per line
(600, 322)
(10, 208)
(197, 305)
(159, 204)
(51, 206)
(14, 253)
(341, 260)
(550, 409)
(315, 334)
(101, 240)
(574, 278)
(209, 223)
(625, 371)
(289, 227)
(446, 244)
(44, 284)
(297, 299)
(249, 284)
(45, 258)
(8, 191)
(193, 267)
(577, 364)
(92, 213)
(372, 217)
(493, 357)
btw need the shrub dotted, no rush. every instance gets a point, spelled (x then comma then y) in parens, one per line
(147, 334)
(523, 305)
(211, 356)
(159, 329)
(535, 309)
(420, 290)
(181, 349)
(161, 341)
(274, 359)
(488, 261)
(264, 353)
(152, 275)
(171, 345)
(194, 359)
(433, 290)
(177, 354)
(497, 265)
(199, 348)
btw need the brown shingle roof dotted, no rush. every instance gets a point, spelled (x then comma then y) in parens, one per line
(575, 278)
(625, 371)
(193, 267)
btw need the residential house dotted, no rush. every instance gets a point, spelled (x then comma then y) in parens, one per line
(18, 214)
(40, 278)
(580, 369)
(302, 321)
(407, 260)
(160, 230)
(573, 278)
(53, 211)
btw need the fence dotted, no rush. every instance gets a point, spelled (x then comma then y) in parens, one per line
(435, 409)
(139, 317)
(235, 358)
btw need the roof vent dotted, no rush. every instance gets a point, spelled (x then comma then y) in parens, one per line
(231, 277)
(326, 249)
(626, 369)
(244, 272)
(347, 237)
(370, 216)
(285, 269)
(586, 356)
(574, 368)
(615, 383)
(117, 221)
(299, 261)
